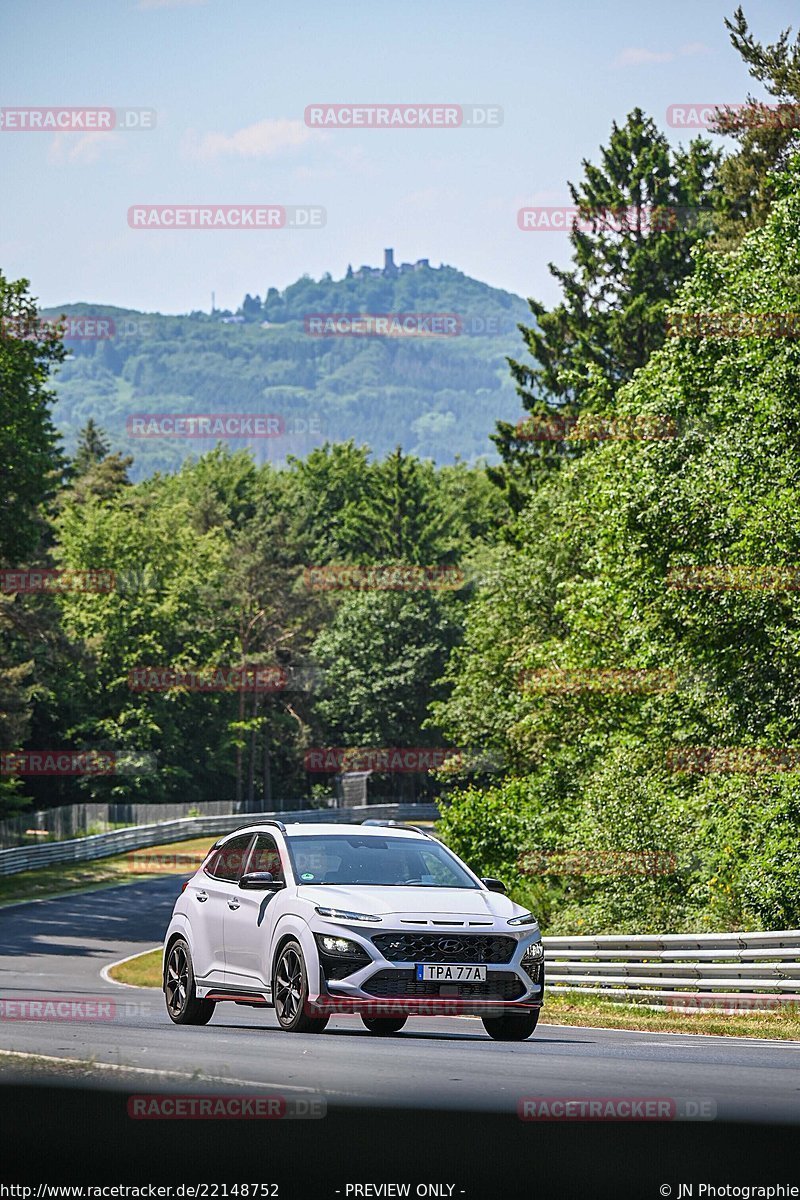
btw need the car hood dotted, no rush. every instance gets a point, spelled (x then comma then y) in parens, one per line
(410, 902)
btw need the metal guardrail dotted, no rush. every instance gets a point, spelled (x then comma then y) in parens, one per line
(102, 845)
(733, 971)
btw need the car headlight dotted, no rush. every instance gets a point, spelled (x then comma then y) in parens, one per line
(341, 914)
(525, 919)
(533, 952)
(340, 945)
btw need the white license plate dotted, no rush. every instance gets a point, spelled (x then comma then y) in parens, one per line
(451, 973)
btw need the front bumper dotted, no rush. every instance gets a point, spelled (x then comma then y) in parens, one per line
(384, 986)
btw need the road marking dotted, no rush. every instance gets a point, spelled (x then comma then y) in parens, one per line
(85, 1062)
(724, 1038)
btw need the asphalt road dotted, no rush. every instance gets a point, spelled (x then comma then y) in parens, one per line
(56, 949)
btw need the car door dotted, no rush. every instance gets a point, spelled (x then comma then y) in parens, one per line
(210, 894)
(250, 922)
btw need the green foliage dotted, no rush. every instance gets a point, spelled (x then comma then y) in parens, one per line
(767, 135)
(587, 589)
(30, 465)
(644, 208)
(436, 396)
(29, 458)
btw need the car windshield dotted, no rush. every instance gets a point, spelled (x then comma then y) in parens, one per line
(368, 860)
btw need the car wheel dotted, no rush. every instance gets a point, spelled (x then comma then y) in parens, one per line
(183, 1004)
(511, 1027)
(384, 1024)
(290, 992)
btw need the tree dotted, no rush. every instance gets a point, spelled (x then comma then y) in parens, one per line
(92, 448)
(379, 659)
(766, 136)
(30, 460)
(642, 212)
(592, 660)
(404, 517)
(30, 465)
(94, 471)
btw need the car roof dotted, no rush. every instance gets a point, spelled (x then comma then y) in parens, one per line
(309, 828)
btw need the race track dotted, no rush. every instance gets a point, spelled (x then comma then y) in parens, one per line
(57, 948)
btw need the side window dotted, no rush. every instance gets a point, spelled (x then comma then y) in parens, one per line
(266, 857)
(229, 860)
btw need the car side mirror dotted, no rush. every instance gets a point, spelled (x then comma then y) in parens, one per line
(260, 881)
(494, 885)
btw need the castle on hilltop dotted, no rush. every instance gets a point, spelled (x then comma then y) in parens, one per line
(390, 269)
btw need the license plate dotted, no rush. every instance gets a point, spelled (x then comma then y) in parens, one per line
(451, 973)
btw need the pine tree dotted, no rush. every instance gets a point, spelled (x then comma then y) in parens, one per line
(92, 448)
(641, 211)
(767, 135)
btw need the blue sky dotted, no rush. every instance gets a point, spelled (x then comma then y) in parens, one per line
(230, 80)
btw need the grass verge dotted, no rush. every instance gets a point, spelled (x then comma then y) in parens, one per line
(572, 1008)
(170, 859)
(142, 971)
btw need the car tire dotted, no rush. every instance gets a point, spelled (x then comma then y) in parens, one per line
(290, 992)
(511, 1027)
(384, 1025)
(184, 1006)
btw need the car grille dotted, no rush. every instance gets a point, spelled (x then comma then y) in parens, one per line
(501, 985)
(445, 947)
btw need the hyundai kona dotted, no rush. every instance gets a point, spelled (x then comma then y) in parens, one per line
(379, 920)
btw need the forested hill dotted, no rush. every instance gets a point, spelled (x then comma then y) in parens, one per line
(435, 387)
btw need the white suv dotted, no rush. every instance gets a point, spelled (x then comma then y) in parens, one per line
(378, 919)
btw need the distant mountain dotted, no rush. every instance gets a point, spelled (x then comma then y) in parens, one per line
(424, 367)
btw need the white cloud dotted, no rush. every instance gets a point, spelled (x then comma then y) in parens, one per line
(640, 56)
(265, 139)
(637, 56)
(66, 149)
(167, 3)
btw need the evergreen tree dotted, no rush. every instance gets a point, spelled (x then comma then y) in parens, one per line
(767, 136)
(641, 211)
(92, 448)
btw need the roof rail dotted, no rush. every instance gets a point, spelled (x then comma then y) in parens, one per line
(278, 824)
(396, 825)
(224, 836)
